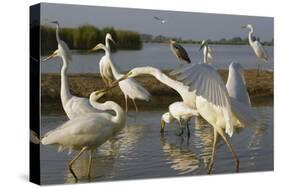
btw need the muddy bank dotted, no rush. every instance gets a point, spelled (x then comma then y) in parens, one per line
(260, 89)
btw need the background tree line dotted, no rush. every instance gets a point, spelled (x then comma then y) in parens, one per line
(86, 37)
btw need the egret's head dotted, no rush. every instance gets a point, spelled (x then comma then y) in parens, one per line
(166, 118)
(56, 53)
(248, 26)
(96, 95)
(55, 22)
(98, 47)
(172, 41)
(109, 37)
(236, 67)
(203, 43)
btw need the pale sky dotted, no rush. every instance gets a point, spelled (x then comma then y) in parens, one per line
(195, 26)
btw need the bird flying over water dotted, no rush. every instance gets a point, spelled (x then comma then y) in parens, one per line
(162, 21)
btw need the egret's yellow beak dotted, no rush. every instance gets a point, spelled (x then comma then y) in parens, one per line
(54, 54)
(162, 126)
(95, 48)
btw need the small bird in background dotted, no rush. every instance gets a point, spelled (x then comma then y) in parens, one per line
(162, 21)
(207, 52)
(256, 46)
(179, 51)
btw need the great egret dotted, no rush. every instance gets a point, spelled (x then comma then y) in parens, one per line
(87, 131)
(256, 46)
(162, 21)
(207, 52)
(202, 89)
(72, 105)
(105, 68)
(130, 87)
(180, 112)
(179, 51)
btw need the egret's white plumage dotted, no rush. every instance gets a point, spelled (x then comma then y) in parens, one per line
(256, 46)
(130, 87)
(236, 84)
(104, 65)
(202, 89)
(207, 52)
(87, 131)
(72, 105)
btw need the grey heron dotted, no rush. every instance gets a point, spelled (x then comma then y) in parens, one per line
(179, 51)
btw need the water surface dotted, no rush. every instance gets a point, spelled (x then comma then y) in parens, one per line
(140, 151)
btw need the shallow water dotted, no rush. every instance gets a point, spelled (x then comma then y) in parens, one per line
(160, 56)
(140, 151)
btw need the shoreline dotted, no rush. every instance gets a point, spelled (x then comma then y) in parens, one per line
(260, 89)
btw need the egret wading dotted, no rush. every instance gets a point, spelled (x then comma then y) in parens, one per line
(181, 113)
(130, 87)
(207, 52)
(257, 47)
(87, 131)
(202, 89)
(72, 105)
(179, 52)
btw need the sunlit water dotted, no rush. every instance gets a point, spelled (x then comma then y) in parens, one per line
(140, 151)
(160, 56)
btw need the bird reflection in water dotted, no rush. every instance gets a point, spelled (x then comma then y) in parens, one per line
(181, 160)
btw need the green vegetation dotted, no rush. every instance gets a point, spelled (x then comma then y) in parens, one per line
(86, 37)
(231, 41)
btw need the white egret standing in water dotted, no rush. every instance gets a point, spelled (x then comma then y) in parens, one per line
(202, 89)
(207, 52)
(256, 46)
(87, 131)
(180, 112)
(72, 105)
(130, 87)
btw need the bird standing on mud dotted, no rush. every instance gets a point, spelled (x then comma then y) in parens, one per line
(179, 51)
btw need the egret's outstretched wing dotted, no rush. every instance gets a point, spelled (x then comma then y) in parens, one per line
(207, 83)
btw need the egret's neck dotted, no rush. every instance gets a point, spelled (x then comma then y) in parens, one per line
(64, 92)
(119, 118)
(250, 35)
(115, 72)
(174, 84)
(57, 33)
(206, 51)
(107, 44)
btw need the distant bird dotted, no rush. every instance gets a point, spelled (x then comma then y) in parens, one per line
(87, 131)
(256, 46)
(130, 87)
(162, 21)
(105, 68)
(181, 113)
(207, 52)
(179, 51)
(72, 105)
